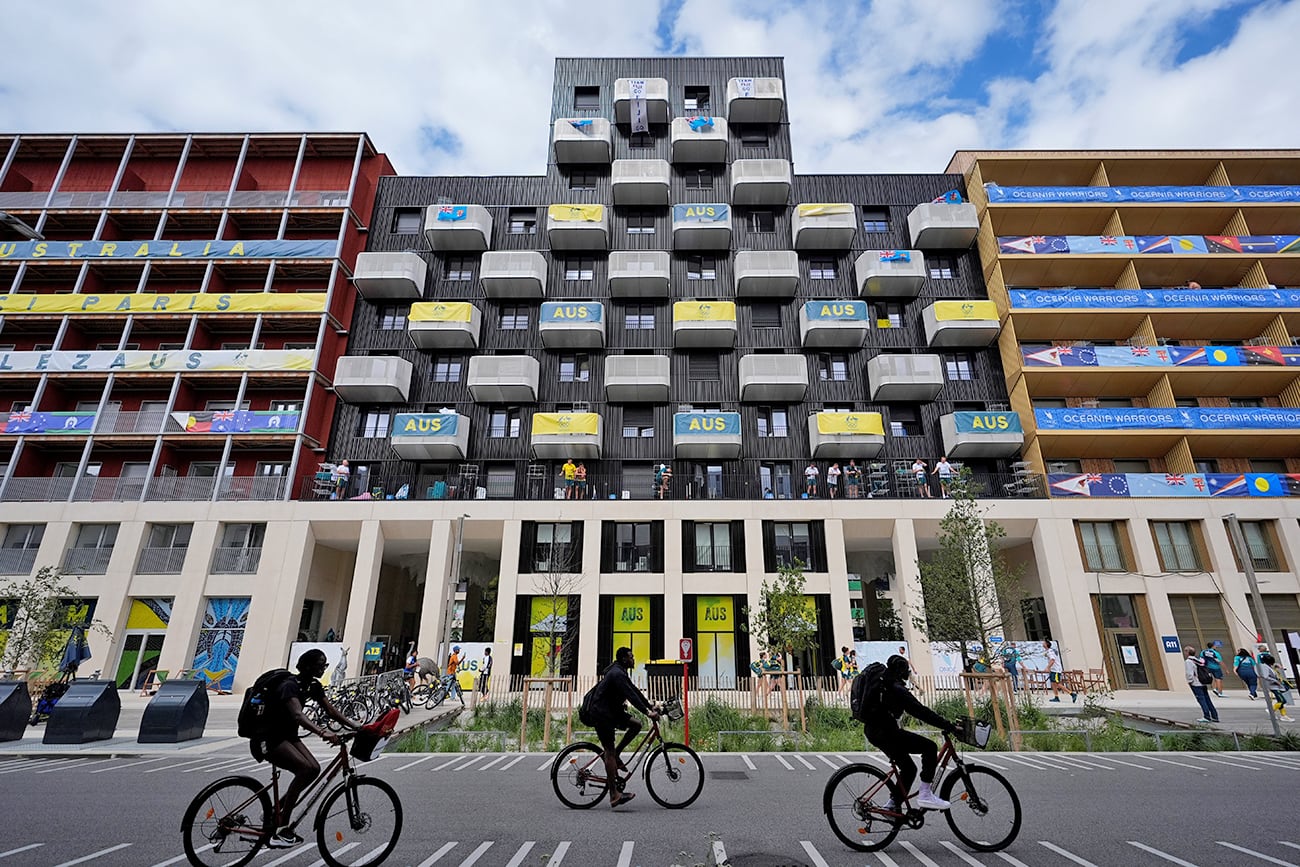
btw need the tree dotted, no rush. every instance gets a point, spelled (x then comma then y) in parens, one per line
(39, 610)
(784, 620)
(888, 623)
(560, 579)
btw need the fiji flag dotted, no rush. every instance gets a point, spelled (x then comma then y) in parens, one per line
(1166, 485)
(952, 197)
(452, 213)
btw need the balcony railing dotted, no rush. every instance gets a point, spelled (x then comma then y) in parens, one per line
(632, 558)
(37, 490)
(1180, 558)
(108, 489)
(235, 561)
(160, 561)
(17, 561)
(712, 558)
(87, 561)
(181, 199)
(143, 422)
(1104, 558)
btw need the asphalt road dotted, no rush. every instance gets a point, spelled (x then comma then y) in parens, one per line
(759, 810)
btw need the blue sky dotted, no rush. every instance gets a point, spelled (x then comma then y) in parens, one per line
(873, 86)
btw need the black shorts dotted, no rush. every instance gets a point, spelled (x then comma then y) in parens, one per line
(608, 725)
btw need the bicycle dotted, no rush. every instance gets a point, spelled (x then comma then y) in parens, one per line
(985, 812)
(674, 774)
(232, 819)
(448, 686)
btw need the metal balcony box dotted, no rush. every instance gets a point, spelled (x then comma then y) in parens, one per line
(513, 274)
(709, 324)
(372, 379)
(444, 325)
(755, 100)
(582, 140)
(905, 377)
(639, 273)
(702, 226)
(458, 228)
(981, 434)
(943, 226)
(961, 323)
(699, 140)
(767, 273)
(652, 91)
(641, 182)
(773, 378)
(637, 378)
(824, 226)
(845, 435)
(400, 276)
(890, 273)
(560, 435)
(430, 436)
(503, 378)
(572, 325)
(760, 182)
(834, 323)
(706, 434)
(577, 227)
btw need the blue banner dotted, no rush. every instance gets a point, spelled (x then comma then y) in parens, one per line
(1137, 299)
(987, 422)
(1174, 484)
(1179, 418)
(572, 311)
(1148, 244)
(323, 249)
(999, 195)
(715, 213)
(835, 311)
(48, 422)
(706, 423)
(452, 213)
(425, 424)
(1160, 356)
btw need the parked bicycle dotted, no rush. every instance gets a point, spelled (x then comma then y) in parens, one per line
(674, 774)
(448, 686)
(867, 810)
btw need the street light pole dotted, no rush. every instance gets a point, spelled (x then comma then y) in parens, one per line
(1261, 616)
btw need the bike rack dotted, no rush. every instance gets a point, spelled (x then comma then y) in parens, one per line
(794, 735)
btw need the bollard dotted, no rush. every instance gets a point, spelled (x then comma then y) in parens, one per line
(15, 709)
(88, 711)
(179, 712)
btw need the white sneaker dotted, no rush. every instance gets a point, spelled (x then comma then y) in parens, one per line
(926, 799)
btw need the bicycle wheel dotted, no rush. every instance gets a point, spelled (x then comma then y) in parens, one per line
(985, 813)
(436, 697)
(358, 823)
(674, 776)
(227, 823)
(854, 801)
(420, 695)
(578, 776)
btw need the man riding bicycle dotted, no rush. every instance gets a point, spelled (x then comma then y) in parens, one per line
(891, 701)
(604, 711)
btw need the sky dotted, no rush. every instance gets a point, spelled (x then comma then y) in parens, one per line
(879, 86)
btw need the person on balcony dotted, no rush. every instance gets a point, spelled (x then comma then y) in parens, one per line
(810, 474)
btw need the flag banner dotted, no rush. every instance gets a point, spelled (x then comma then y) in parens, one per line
(965, 311)
(237, 421)
(999, 195)
(706, 423)
(704, 311)
(425, 424)
(571, 311)
(561, 423)
(582, 124)
(452, 213)
(183, 302)
(701, 123)
(987, 422)
(715, 213)
(1174, 484)
(28, 422)
(837, 310)
(851, 423)
(441, 311)
(144, 361)
(1160, 356)
(1162, 299)
(895, 255)
(815, 209)
(745, 88)
(575, 213)
(952, 197)
(1179, 418)
(319, 249)
(640, 117)
(1088, 485)
(1148, 244)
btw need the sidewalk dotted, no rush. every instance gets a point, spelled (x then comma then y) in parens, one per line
(1236, 711)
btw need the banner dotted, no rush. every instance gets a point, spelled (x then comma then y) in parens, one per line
(1130, 299)
(575, 213)
(701, 123)
(1179, 418)
(1160, 356)
(187, 302)
(640, 120)
(425, 424)
(894, 255)
(27, 422)
(322, 249)
(441, 311)
(169, 361)
(744, 88)
(548, 622)
(851, 423)
(965, 311)
(987, 422)
(562, 423)
(715, 641)
(452, 213)
(706, 423)
(569, 311)
(715, 213)
(237, 421)
(998, 194)
(1148, 244)
(704, 311)
(835, 311)
(1112, 485)
(822, 210)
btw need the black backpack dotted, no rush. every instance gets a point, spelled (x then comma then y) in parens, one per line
(258, 708)
(1203, 675)
(864, 695)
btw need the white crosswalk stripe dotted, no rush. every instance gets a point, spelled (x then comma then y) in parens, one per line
(1172, 859)
(625, 854)
(966, 858)
(510, 764)
(807, 764)
(918, 854)
(179, 858)
(1172, 762)
(813, 854)
(1260, 855)
(558, 855)
(749, 764)
(29, 847)
(477, 854)
(784, 763)
(284, 859)
(518, 857)
(414, 763)
(100, 854)
(433, 859)
(320, 862)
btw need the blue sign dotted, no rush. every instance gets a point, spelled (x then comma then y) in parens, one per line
(1163, 299)
(425, 424)
(26, 421)
(987, 422)
(373, 652)
(1171, 644)
(998, 194)
(706, 423)
(1180, 418)
(716, 213)
(1129, 245)
(323, 249)
(572, 311)
(837, 310)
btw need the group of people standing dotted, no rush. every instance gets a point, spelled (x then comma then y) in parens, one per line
(575, 480)
(1204, 673)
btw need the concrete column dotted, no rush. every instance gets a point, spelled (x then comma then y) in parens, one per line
(438, 584)
(838, 566)
(674, 604)
(1162, 623)
(1066, 594)
(189, 604)
(365, 589)
(113, 593)
(508, 590)
(589, 592)
(910, 600)
(754, 575)
(276, 606)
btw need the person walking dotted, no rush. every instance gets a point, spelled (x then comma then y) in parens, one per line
(945, 472)
(1199, 679)
(810, 474)
(1274, 683)
(1055, 673)
(918, 473)
(342, 476)
(1214, 664)
(833, 480)
(1244, 664)
(1011, 662)
(843, 664)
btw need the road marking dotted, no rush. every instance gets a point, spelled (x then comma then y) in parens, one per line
(1087, 763)
(1172, 762)
(77, 763)
(1260, 855)
(919, 855)
(46, 762)
(1285, 760)
(1015, 862)
(625, 854)
(26, 848)
(433, 859)
(829, 763)
(842, 758)
(549, 762)
(127, 765)
(519, 856)
(1244, 765)
(783, 762)
(1058, 764)
(813, 854)
(807, 764)
(1283, 842)
(886, 860)
(871, 758)
(470, 762)
(558, 855)
(1023, 761)
(320, 862)
(301, 850)
(477, 853)
(1122, 762)
(510, 764)
(414, 763)
(224, 764)
(744, 758)
(501, 758)
(719, 854)
(177, 765)
(452, 762)
(179, 858)
(111, 849)
(1065, 853)
(960, 854)
(1165, 855)
(371, 854)
(984, 760)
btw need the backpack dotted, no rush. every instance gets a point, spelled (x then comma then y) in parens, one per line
(255, 711)
(1203, 676)
(837, 664)
(864, 695)
(586, 711)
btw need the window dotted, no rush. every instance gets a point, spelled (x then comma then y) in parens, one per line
(1267, 466)
(764, 315)
(514, 317)
(501, 482)
(772, 423)
(904, 421)
(164, 554)
(392, 317)
(632, 552)
(586, 98)
(1260, 546)
(92, 549)
(777, 478)
(575, 368)
(941, 267)
(697, 100)
(640, 140)
(504, 423)
(375, 423)
(1033, 612)
(446, 368)
(458, 268)
(1102, 549)
(753, 137)
(701, 268)
(1049, 403)
(581, 179)
(959, 366)
(639, 317)
(1177, 546)
(887, 314)
(1064, 466)
(713, 547)
(821, 269)
(832, 367)
(792, 543)
(1122, 466)
(761, 221)
(553, 549)
(579, 269)
(875, 220)
(703, 367)
(1245, 402)
(698, 179)
(638, 421)
(21, 542)
(523, 221)
(240, 550)
(640, 223)
(407, 221)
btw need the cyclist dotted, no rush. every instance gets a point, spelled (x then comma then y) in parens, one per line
(607, 714)
(891, 701)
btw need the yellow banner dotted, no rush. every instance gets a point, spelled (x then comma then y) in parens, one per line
(183, 302)
(715, 614)
(860, 423)
(822, 210)
(550, 423)
(631, 614)
(704, 311)
(575, 213)
(441, 311)
(958, 311)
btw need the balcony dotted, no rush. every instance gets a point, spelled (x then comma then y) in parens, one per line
(760, 182)
(981, 434)
(458, 228)
(444, 325)
(755, 100)
(430, 436)
(572, 325)
(400, 276)
(905, 377)
(844, 435)
(513, 274)
(149, 422)
(17, 561)
(235, 560)
(653, 90)
(890, 273)
(641, 182)
(704, 324)
(637, 378)
(833, 323)
(701, 227)
(824, 226)
(943, 226)
(639, 273)
(559, 435)
(706, 435)
(577, 227)
(503, 378)
(961, 323)
(160, 561)
(86, 561)
(773, 378)
(372, 379)
(767, 274)
(699, 140)
(582, 140)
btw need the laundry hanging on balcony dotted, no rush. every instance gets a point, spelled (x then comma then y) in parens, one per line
(952, 197)
(703, 123)
(640, 117)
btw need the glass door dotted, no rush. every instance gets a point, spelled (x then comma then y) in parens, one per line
(1122, 641)
(140, 653)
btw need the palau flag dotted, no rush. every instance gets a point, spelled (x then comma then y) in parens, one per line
(1265, 485)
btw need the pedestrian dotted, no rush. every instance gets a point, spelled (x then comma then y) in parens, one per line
(833, 480)
(580, 479)
(902, 651)
(1275, 684)
(810, 474)
(853, 480)
(1199, 679)
(1244, 664)
(1011, 662)
(485, 673)
(666, 482)
(918, 473)
(944, 471)
(768, 495)
(342, 475)
(1055, 673)
(841, 664)
(657, 491)
(570, 470)
(1214, 664)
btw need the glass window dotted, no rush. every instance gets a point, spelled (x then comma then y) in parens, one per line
(1259, 544)
(772, 423)
(523, 221)
(875, 219)
(446, 368)
(633, 552)
(392, 317)
(713, 547)
(575, 368)
(579, 269)
(777, 478)
(701, 268)
(761, 221)
(641, 223)
(586, 98)
(696, 100)
(698, 178)
(407, 221)
(1102, 551)
(375, 423)
(821, 269)
(504, 423)
(832, 367)
(959, 366)
(904, 421)
(554, 550)
(941, 267)
(583, 179)
(514, 317)
(792, 544)
(639, 317)
(887, 314)
(458, 268)
(638, 421)
(1176, 544)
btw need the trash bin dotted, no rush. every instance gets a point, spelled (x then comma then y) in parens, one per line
(87, 712)
(15, 709)
(179, 712)
(664, 679)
